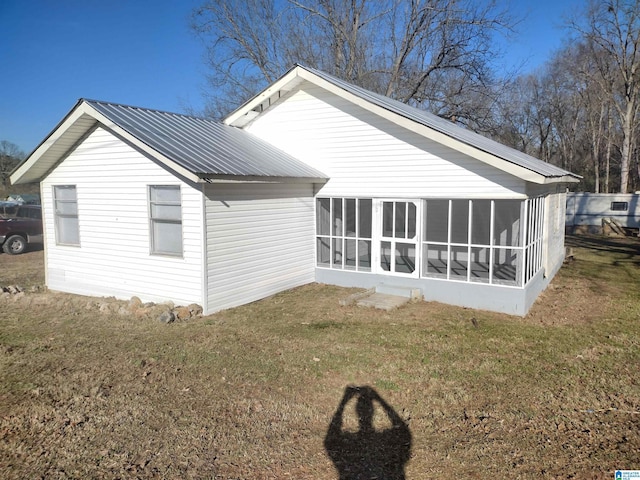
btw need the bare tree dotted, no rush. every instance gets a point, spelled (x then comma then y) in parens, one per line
(10, 157)
(431, 53)
(612, 31)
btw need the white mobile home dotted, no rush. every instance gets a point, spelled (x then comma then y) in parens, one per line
(314, 179)
(586, 211)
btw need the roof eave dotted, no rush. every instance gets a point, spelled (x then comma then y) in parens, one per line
(564, 179)
(242, 116)
(26, 171)
(220, 178)
(37, 165)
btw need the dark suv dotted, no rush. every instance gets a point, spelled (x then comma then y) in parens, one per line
(16, 232)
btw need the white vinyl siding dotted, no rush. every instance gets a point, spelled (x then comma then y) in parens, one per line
(260, 239)
(112, 183)
(367, 156)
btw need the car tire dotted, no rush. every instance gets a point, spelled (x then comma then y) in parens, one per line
(15, 245)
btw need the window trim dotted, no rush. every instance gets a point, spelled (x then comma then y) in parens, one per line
(153, 248)
(58, 215)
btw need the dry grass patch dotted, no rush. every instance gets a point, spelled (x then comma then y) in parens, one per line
(250, 392)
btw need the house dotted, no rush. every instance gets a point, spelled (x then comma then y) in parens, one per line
(314, 179)
(588, 212)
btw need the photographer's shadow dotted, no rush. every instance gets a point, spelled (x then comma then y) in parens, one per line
(368, 453)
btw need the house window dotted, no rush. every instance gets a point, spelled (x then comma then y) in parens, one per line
(481, 240)
(619, 206)
(166, 219)
(343, 233)
(65, 203)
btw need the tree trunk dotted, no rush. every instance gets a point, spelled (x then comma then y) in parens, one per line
(627, 147)
(608, 156)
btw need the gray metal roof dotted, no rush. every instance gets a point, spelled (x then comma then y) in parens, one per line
(448, 128)
(205, 147)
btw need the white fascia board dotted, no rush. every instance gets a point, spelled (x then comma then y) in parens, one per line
(115, 128)
(47, 162)
(259, 179)
(235, 118)
(37, 156)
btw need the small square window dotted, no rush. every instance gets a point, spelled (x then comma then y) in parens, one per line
(619, 206)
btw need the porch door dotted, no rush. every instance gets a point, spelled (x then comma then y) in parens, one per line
(397, 243)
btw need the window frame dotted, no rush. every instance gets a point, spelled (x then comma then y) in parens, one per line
(337, 239)
(155, 220)
(62, 216)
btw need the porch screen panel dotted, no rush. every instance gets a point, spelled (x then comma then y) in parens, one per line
(405, 258)
(337, 217)
(507, 232)
(459, 262)
(385, 256)
(323, 231)
(387, 219)
(350, 254)
(350, 246)
(401, 220)
(481, 240)
(459, 234)
(343, 233)
(437, 226)
(411, 220)
(534, 236)
(435, 251)
(506, 266)
(365, 217)
(460, 221)
(336, 250)
(350, 217)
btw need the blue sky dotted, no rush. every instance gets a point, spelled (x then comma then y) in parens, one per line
(141, 52)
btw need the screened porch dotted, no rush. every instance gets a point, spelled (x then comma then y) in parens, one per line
(466, 240)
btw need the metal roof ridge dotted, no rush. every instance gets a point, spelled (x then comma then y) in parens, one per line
(155, 110)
